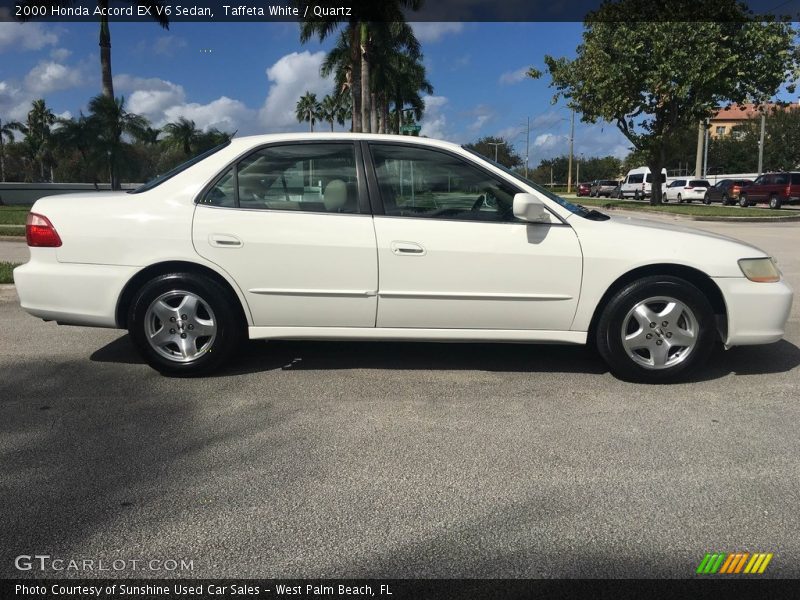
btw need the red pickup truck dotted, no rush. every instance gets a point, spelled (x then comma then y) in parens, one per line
(774, 188)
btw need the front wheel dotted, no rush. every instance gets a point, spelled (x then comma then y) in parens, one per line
(724, 200)
(184, 324)
(680, 199)
(743, 201)
(656, 330)
(774, 202)
(706, 199)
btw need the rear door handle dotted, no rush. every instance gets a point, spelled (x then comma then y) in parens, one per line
(407, 249)
(224, 240)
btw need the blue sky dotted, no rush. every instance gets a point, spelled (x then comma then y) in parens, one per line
(248, 76)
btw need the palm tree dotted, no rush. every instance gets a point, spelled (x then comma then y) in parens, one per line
(37, 134)
(148, 136)
(156, 11)
(181, 134)
(7, 130)
(308, 109)
(329, 108)
(112, 121)
(359, 41)
(78, 134)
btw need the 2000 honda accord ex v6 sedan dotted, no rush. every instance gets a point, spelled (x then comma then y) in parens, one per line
(367, 237)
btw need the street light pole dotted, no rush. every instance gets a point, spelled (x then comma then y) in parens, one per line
(571, 141)
(761, 145)
(495, 144)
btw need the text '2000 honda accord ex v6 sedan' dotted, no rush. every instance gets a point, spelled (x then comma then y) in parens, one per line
(370, 237)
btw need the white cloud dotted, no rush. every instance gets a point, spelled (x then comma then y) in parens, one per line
(24, 36)
(14, 102)
(290, 77)
(49, 76)
(482, 114)
(223, 113)
(434, 121)
(433, 32)
(150, 97)
(512, 77)
(60, 54)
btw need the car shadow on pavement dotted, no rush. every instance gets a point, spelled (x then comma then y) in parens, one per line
(257, 356)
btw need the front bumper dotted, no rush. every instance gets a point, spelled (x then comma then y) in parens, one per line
(70, 293)
(757, 312)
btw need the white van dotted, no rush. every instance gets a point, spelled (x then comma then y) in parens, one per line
(638, 183)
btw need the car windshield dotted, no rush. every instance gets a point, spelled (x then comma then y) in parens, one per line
(573, 208)
(182, 167)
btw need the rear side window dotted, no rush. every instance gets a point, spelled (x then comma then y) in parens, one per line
(781, 179)
(636, 178)
(296, 177)
(650, 178)
(795, 178)
(699, 183)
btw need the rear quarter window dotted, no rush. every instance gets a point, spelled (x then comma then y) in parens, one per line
(795, 178)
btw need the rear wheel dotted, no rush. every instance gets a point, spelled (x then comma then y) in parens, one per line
(184, 324)
(656, 330)
(774, 201)
(743, 201)
(706, 199)
(680, 199)
(725, 200)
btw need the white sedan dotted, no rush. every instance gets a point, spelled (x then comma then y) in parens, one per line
(364, 237)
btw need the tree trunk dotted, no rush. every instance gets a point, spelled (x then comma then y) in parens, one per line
(331, 122)
(398, 109)
(365, 95)
(105, 53)
(656, 164)
(2, 158)
(355, 76)
(385, 114)
(373, 113)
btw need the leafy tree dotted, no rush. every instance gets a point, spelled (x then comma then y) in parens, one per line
(605, 167)
(181, 134)
(157, 13)
(78, 137)
(111, 121)
(308, 109)
(7, 130)
(37, 138)
(658, 78)
(504, 151)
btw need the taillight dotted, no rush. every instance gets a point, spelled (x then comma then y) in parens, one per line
(40, 233)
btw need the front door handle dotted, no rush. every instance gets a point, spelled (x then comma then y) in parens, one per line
(224, 240)
(407, 249)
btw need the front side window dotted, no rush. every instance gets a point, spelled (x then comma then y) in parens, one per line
(638, 178)
(418, 182)
(299, 177)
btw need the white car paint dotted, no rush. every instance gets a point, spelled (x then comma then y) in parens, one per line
(326, 276)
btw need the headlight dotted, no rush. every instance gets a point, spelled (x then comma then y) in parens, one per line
(761, 270)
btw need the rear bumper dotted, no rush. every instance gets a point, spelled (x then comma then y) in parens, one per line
(70, 293)
(757, 312)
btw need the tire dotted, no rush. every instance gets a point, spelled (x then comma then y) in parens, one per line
(743, 201)
(680, 199)
(636, 195)
(725, 201)
(774, 202)
(706, 199)
(184, 353)
(652, 362)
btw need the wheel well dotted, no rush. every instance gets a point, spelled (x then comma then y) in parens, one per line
(697, 278)
(176, 266)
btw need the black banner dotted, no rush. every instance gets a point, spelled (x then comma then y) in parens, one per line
(398, 589)
(374, 10)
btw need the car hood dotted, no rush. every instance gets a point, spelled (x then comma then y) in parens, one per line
(644, 242)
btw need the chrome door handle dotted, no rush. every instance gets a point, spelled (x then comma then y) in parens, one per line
(407, 249)
(224, 240)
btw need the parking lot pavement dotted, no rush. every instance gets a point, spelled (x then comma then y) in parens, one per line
(14, 251)
(397, 460)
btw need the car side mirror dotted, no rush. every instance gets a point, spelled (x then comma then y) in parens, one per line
(528, 207)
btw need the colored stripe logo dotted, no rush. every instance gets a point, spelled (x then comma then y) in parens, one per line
(734, 563)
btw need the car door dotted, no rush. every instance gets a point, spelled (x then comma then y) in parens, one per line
(758, 192)
(291, 224)
(451, 254)
(672, 189)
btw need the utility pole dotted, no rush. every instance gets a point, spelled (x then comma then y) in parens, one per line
(698, 160)
(571, 141)
(705, 154)
(527, 147)
(761, 145)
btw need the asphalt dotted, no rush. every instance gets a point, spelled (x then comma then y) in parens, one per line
(397, 460)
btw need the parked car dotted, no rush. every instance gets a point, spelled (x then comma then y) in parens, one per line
(726, 191)
(603, 187)
(584, 189)
(284, 237)
(685, 190)
(776, 189)
(638, 183)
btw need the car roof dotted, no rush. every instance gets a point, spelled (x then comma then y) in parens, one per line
(269, 138)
